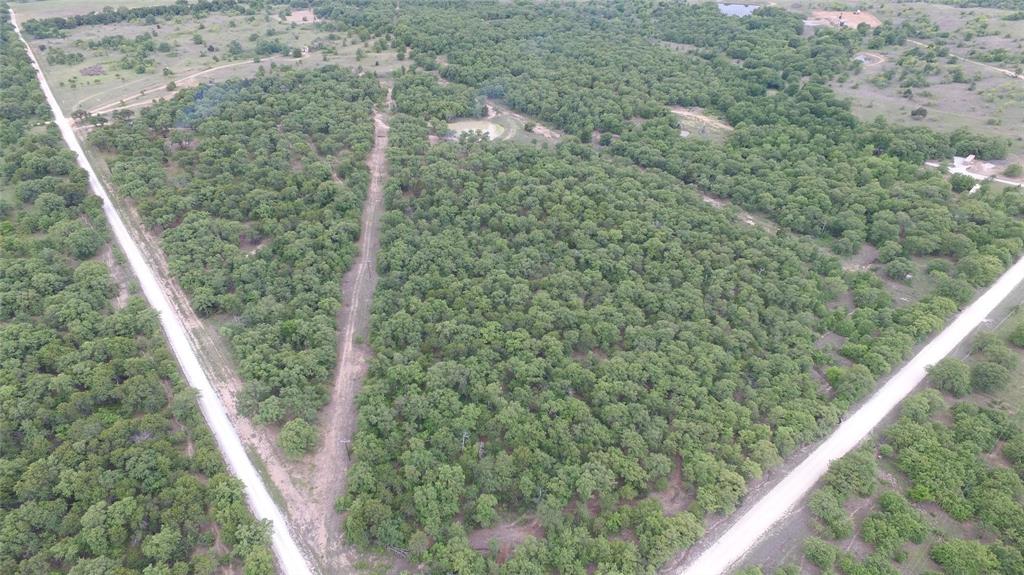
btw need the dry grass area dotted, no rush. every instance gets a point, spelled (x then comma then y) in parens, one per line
(840, 19)
(101, 83)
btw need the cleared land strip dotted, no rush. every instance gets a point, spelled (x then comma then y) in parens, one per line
(331, 461)
(780, 499)
(290, 558)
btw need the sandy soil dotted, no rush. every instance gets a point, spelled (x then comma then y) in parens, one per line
(493, 130)
(978, 170)
(744, 216)
(870, 58)
(699, 115)
(118, 274)
(301, 17)
(838, 19)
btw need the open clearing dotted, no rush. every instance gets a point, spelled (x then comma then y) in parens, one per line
(958, 83)
(501, 123)
(840, 19)
(694, 122)
(56, 8)
(301, 17)
(494, 131)
(190, 50)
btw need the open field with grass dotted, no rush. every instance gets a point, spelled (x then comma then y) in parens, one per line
(186, 51)
(57, 8)
(957, 67)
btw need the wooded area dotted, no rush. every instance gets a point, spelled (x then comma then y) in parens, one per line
(571, 339)
(255, 188)
(105, 462)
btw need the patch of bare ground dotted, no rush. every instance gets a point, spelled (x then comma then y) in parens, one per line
(861, 260)
(699, 115)
(675, 498)
(842, 19)
(118, 274)
(744, 216)
(301, 17)
(506, 536)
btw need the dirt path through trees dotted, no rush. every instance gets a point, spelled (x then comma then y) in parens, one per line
(338, 419)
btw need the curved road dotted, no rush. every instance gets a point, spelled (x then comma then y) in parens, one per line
(290, 558)
(777, 502)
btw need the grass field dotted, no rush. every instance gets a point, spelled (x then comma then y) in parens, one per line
(100, 83)
(53, 8)
(984, 98)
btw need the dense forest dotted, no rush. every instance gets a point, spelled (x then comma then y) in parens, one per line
(255, 187)
(571, 341)
(559, 333)
(105, 463)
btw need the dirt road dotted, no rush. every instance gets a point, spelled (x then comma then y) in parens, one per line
(290, 558)
(331, 461)
(778, 501)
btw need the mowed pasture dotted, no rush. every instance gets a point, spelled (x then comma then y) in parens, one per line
(190, 51)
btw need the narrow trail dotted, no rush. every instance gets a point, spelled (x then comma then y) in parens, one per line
(308, 487)
(331, 461)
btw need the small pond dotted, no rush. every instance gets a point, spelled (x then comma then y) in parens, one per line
(737, 9)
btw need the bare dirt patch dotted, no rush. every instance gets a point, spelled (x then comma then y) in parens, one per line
(675, 498)
(493, 130)
(870, 58)
(862, 260)
(507, 536)
(301, 17)
(330, 463)
(702, 120)
(118, 274)
(842, 19)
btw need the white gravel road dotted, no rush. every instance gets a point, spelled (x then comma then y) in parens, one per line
(776, 503)
(290, 557)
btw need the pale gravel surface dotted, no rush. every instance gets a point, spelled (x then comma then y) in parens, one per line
(290, 558)
(720, 555)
